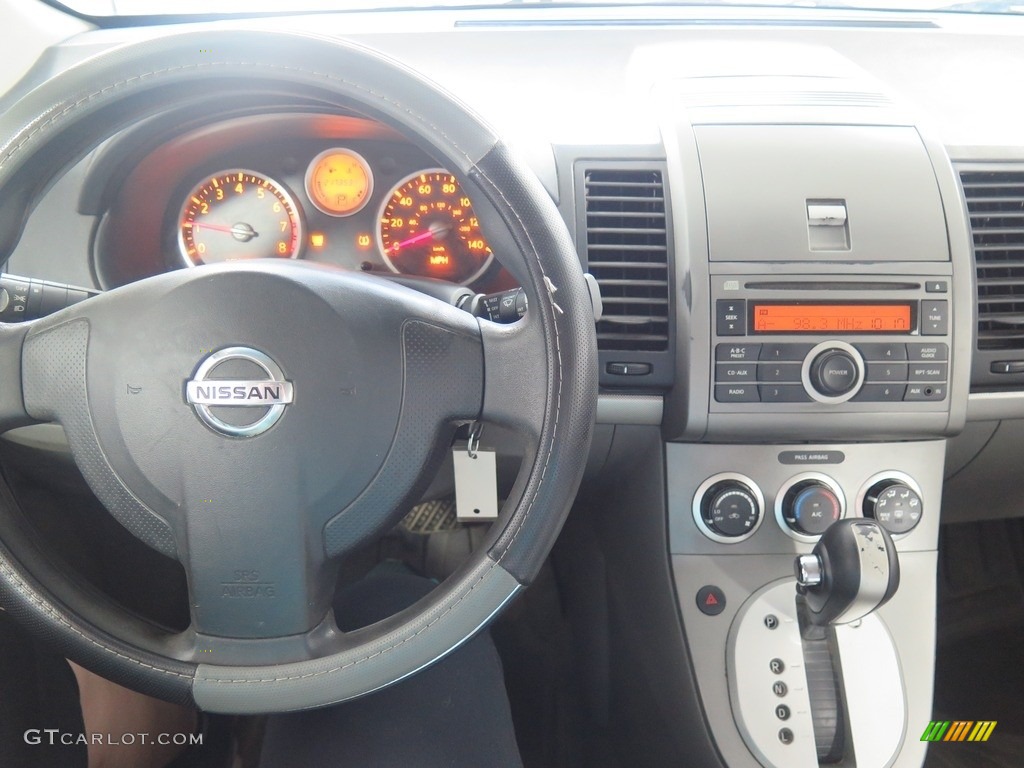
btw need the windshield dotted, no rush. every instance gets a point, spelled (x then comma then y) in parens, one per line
(106, 8)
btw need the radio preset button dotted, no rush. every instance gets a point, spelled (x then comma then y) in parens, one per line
(784, 393)
(731, 319)
(736, 393)
(737, 353)
(886, 372)
(935, 353)
(884, 352)
(779, 372)
(784, 352)
(880, 393)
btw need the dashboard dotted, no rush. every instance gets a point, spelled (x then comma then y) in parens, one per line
(805, 230)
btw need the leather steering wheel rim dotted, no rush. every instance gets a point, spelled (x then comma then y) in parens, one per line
(540, 375)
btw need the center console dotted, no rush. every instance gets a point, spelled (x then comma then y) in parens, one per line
(826, 274)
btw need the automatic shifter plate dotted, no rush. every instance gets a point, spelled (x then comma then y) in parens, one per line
(766, 632)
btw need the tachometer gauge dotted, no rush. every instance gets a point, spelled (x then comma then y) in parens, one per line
(339, 182)
(427, 227)
(238, 214)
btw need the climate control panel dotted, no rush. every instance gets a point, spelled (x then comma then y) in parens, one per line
(729, 507)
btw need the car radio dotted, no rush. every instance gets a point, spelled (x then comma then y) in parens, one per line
(846, 342)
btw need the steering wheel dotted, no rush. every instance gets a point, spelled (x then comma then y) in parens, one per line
(353, 386)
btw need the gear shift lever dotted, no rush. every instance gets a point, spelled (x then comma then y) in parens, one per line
(852, 571)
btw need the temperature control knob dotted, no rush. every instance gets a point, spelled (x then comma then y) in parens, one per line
(810, 507)
(730, 509)
(894, 504)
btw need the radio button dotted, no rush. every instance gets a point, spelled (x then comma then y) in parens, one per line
(782, 352)
(885, 352)
(784, 393)
(737, 353)
(928, 371)
(880, 393)
(925, 392)
(779, 372)
(931, 353)
(886, 372)
(736, 393)
(731, 317)
(729, 372)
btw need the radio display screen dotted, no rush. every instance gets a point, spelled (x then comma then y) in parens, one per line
(847, 318)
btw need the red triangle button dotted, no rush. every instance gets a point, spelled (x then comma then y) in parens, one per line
(710, 600)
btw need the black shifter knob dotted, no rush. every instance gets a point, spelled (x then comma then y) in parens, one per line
(852, 570)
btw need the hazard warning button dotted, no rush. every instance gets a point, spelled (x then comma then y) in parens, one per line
(710, 600)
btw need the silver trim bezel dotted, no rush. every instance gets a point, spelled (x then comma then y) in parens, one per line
(805, 372)
(891, 474)
(785, 488)
(307, 177)
(378, 234)
(300, 231)
(698, 499)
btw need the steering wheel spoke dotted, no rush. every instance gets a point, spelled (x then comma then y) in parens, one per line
(12, 404)
(517, 383)
(254, 562)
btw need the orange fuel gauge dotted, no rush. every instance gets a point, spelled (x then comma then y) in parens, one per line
(339, 182)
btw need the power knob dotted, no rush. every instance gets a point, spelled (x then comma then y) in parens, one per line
(833, 372)
(895, 503)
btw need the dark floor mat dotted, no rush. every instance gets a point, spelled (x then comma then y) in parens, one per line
(979, 672)
(981, 678)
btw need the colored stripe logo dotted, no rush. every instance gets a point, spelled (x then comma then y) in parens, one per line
(959, 730)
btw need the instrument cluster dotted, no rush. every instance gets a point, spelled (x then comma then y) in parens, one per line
(422, 224)
(302, 187)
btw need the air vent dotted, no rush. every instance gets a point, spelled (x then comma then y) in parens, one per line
(995, 201)
(627, 252)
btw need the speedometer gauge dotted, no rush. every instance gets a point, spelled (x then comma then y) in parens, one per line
(427, 227)
(238, 214)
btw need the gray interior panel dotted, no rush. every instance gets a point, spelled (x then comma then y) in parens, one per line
(760, 179)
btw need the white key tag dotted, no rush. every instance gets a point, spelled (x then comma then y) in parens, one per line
(476, 483)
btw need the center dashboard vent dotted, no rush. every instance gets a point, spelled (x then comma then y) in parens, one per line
(995, 201)
(626, 250)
